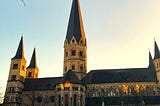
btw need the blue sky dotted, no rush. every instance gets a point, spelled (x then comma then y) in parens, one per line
(119, 32)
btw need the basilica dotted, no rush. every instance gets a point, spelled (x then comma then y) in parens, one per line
(107, 87)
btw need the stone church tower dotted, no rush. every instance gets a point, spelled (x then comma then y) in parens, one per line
(75, 45)
(156, 60)
(16, 76)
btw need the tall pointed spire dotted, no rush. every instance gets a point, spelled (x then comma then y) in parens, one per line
(20, 50)
(156, 51)
(151, 64)
(152, 67)
(33, 62)
(75, 25)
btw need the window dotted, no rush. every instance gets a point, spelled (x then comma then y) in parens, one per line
(52, 98)
(66, 100)
(17, 99)
(81, 68)
(81, 53)
(15, 66)
(22, 67)
(13, 78)
(73, 67)
(74, 100)
(36, 75)
(59, 100)
(81, 42)
(11, 89)
(73, 52)
(39, 99)
(66, 54)
(73, 41)
(11, 98)
(30, 74)
(75, 88)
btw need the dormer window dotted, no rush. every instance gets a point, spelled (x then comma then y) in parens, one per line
(73, 41)
(81, 42)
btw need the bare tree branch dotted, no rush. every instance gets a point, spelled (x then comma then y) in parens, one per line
(23, 2)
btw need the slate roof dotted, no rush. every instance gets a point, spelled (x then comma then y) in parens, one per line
(75, 25)
(50, 83)
(33, 62)
(41, 83)
(20, 50)
(71, 77)
(156, 51)
(119, 76)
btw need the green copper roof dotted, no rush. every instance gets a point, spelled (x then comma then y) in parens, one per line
(33, 62)
(156, 51)
(75, 25)
(20, 50)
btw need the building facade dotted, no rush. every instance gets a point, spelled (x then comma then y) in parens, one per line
(111, 87)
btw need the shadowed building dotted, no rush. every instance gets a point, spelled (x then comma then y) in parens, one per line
(111, 87)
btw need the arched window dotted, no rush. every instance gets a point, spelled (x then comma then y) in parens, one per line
(74, 100)
(30, 74)
(73, 67)
(39, 99)
(73, 52)
(66, 54)
(81, 68)
(81, 53)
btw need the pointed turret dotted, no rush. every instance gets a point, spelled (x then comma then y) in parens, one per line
(20, 50)
(156, 51)
(75, 25)
(152, 67)
(151, 64)
(32, 69)
(33, 62)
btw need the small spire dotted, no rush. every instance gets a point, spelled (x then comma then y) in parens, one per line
(152, 67)
(156, 50)
(150, 60)
(33, 62)
(20, 50)
(75, 25)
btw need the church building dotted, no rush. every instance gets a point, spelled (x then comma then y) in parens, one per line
(107, 87)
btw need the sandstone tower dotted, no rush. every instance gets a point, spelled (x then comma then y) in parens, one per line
(16, 76)
(75, 45)
(156, 60)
